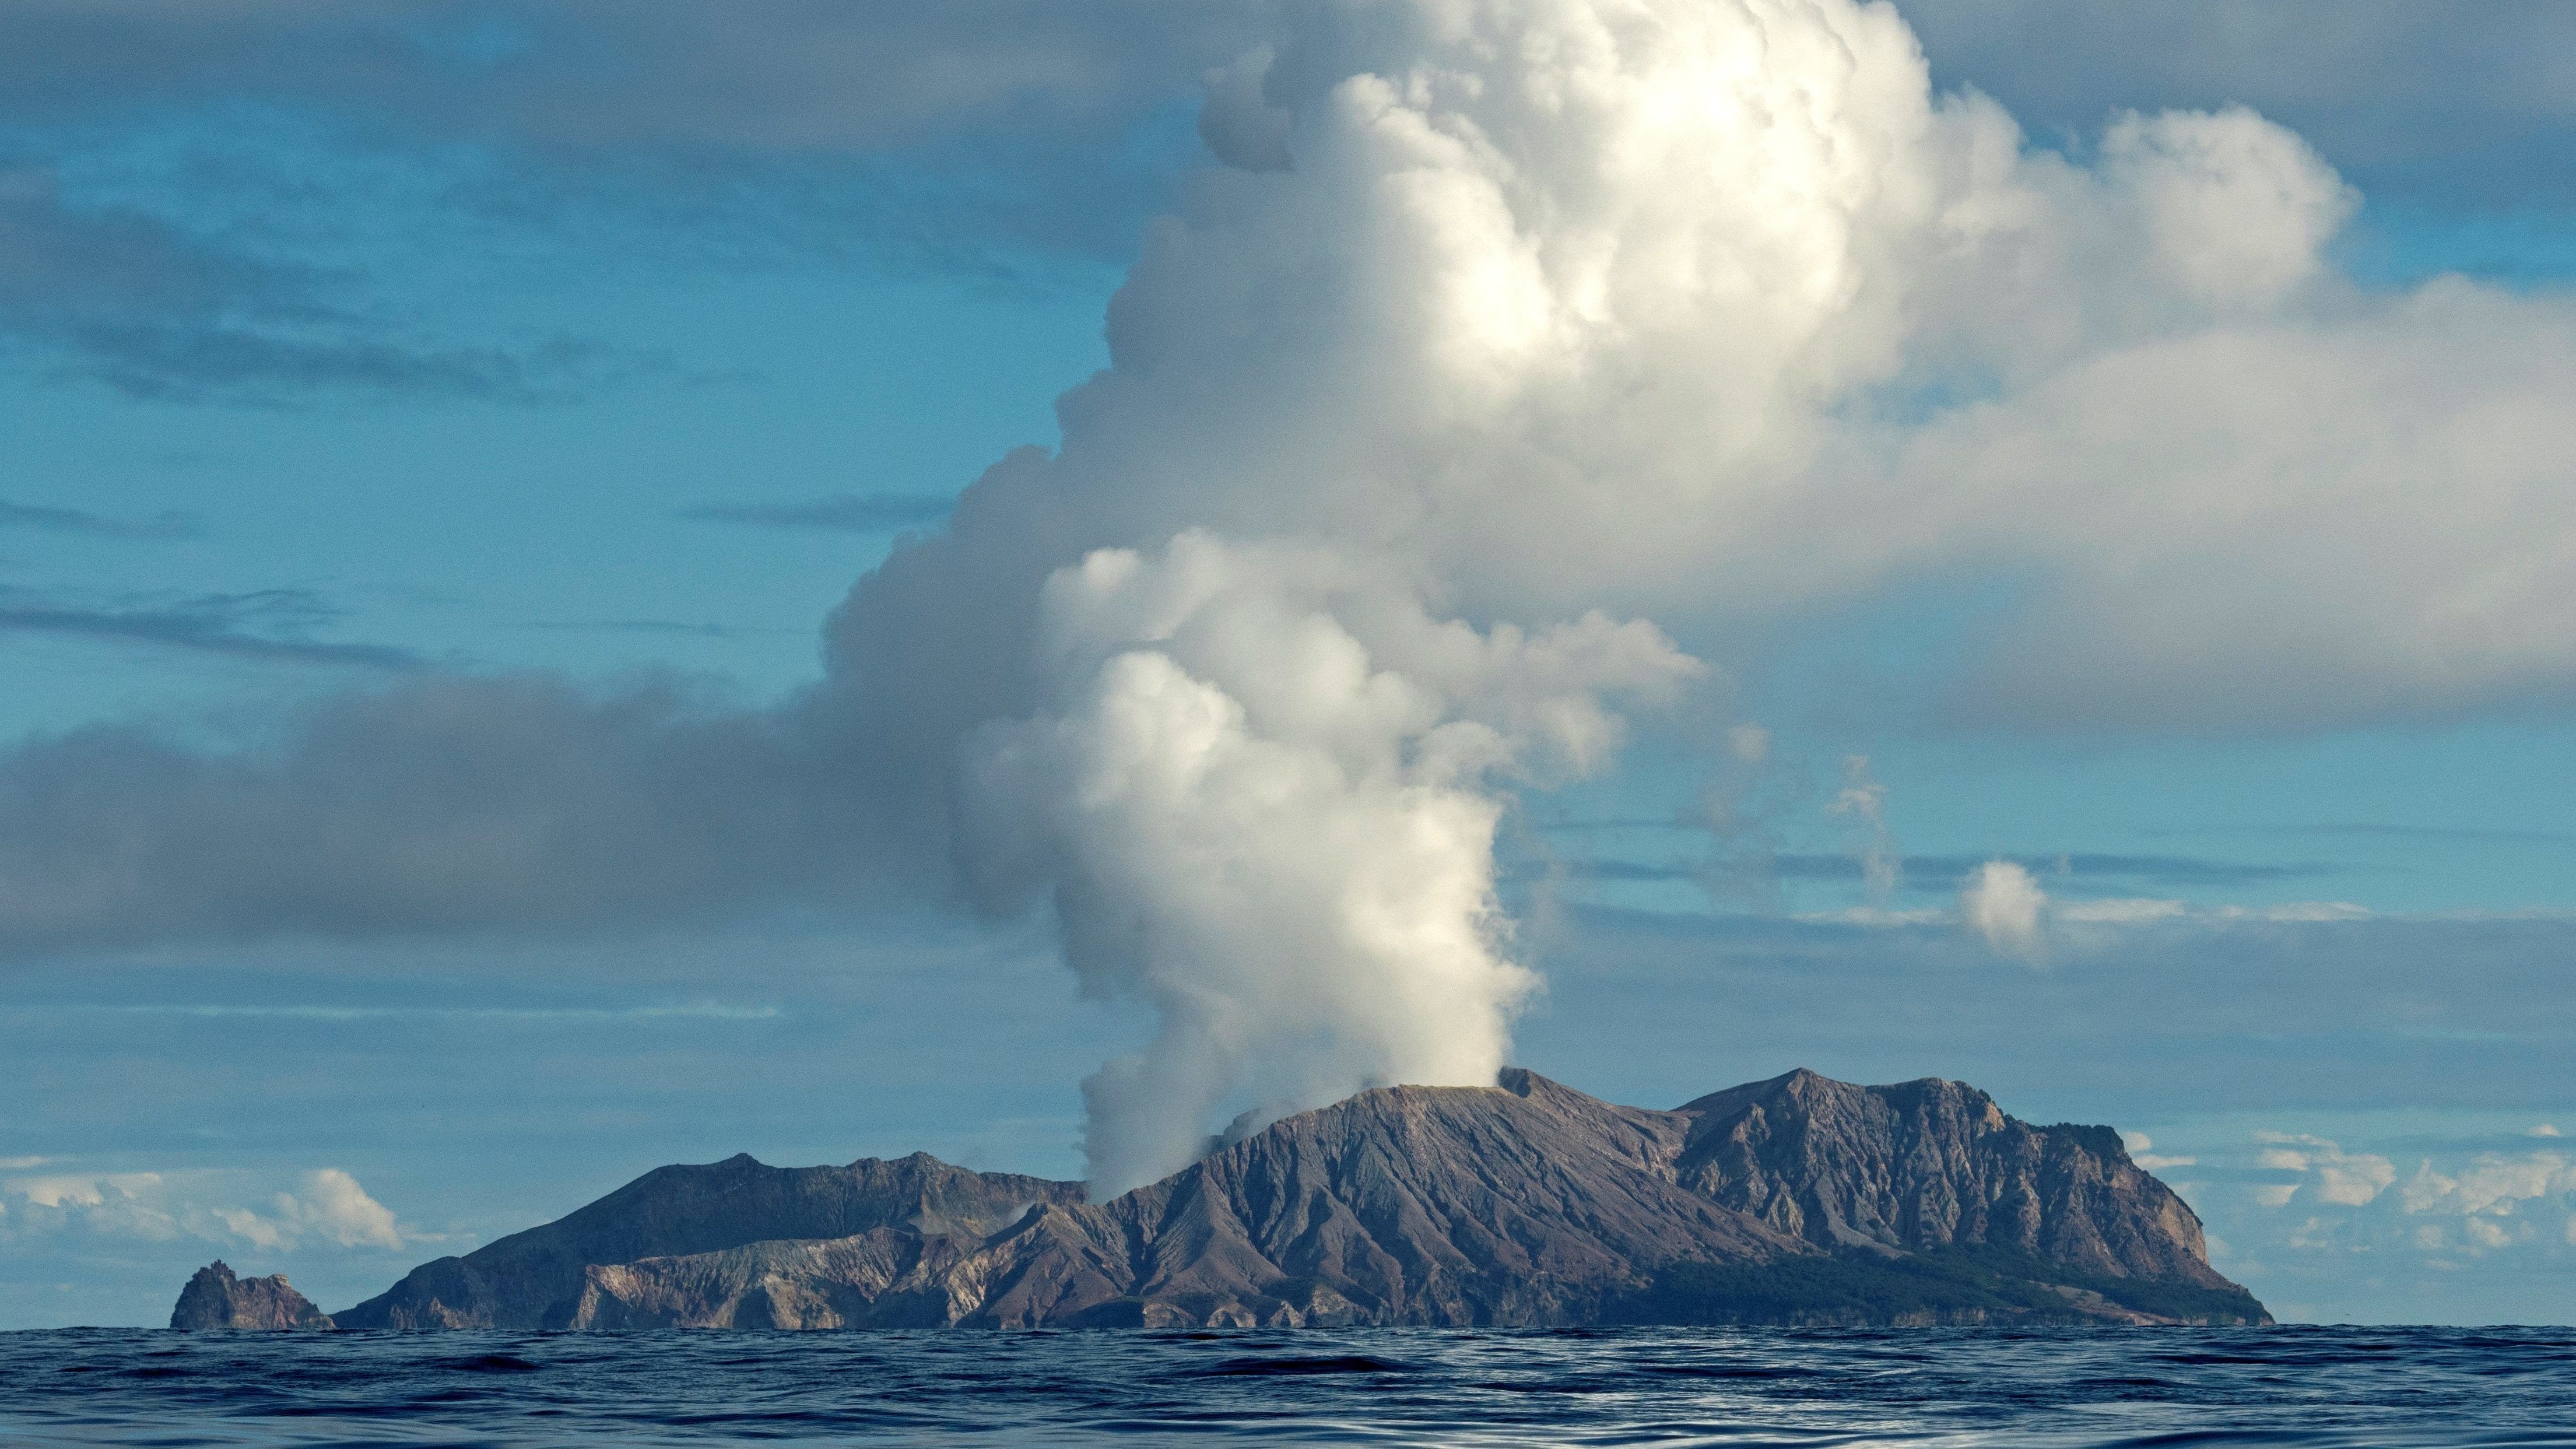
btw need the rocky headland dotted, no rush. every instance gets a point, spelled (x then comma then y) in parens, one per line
(1796, 1200)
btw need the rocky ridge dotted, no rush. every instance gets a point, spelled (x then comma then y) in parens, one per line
(1797, 1199)
(1935, 1164)
(536, 1278)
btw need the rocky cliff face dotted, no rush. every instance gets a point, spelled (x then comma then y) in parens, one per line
(215, 1298)
(1935, 1164)
(1798, 1199)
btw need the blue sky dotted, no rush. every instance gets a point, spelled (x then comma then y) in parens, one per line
(446, 353)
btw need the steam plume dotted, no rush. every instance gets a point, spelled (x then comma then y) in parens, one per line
(1863, 800)
(1261, 788)
(1500, 323)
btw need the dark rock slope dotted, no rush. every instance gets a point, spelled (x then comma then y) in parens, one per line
(1524, 1203)
(1798, 1200)
(215, 1298)
(535, 1279)
(1935, 1164)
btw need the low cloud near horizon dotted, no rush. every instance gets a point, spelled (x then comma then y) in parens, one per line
(561, 1072)
(324, 1206)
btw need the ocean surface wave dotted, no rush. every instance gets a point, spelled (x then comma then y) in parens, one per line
(1814, 1389)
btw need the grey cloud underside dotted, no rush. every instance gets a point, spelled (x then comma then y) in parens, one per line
(946, 137)
(2439, 104)
(447, 806)
(954, 137)
(850, 513)
(788, 76)
(2452, 102)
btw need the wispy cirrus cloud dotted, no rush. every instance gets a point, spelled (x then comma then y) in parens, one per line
(2391, 830)
(263, 624)
(845, 513)
(667, 627)
(686, 1011)
(1940, 874)
(47, 519)
(126, 299)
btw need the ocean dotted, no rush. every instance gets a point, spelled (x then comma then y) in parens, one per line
(2281, 1386)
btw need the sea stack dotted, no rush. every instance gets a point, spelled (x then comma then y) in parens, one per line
(216, 1299)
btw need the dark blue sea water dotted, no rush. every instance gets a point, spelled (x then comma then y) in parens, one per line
(2288, 1386)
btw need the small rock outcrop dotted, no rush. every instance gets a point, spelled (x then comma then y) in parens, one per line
(1795, 1200)
(216, 1299)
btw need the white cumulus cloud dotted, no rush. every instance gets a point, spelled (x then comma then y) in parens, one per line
(2328, 1173)
(325, 1205)
(2492, 1183)
(2001, 902)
